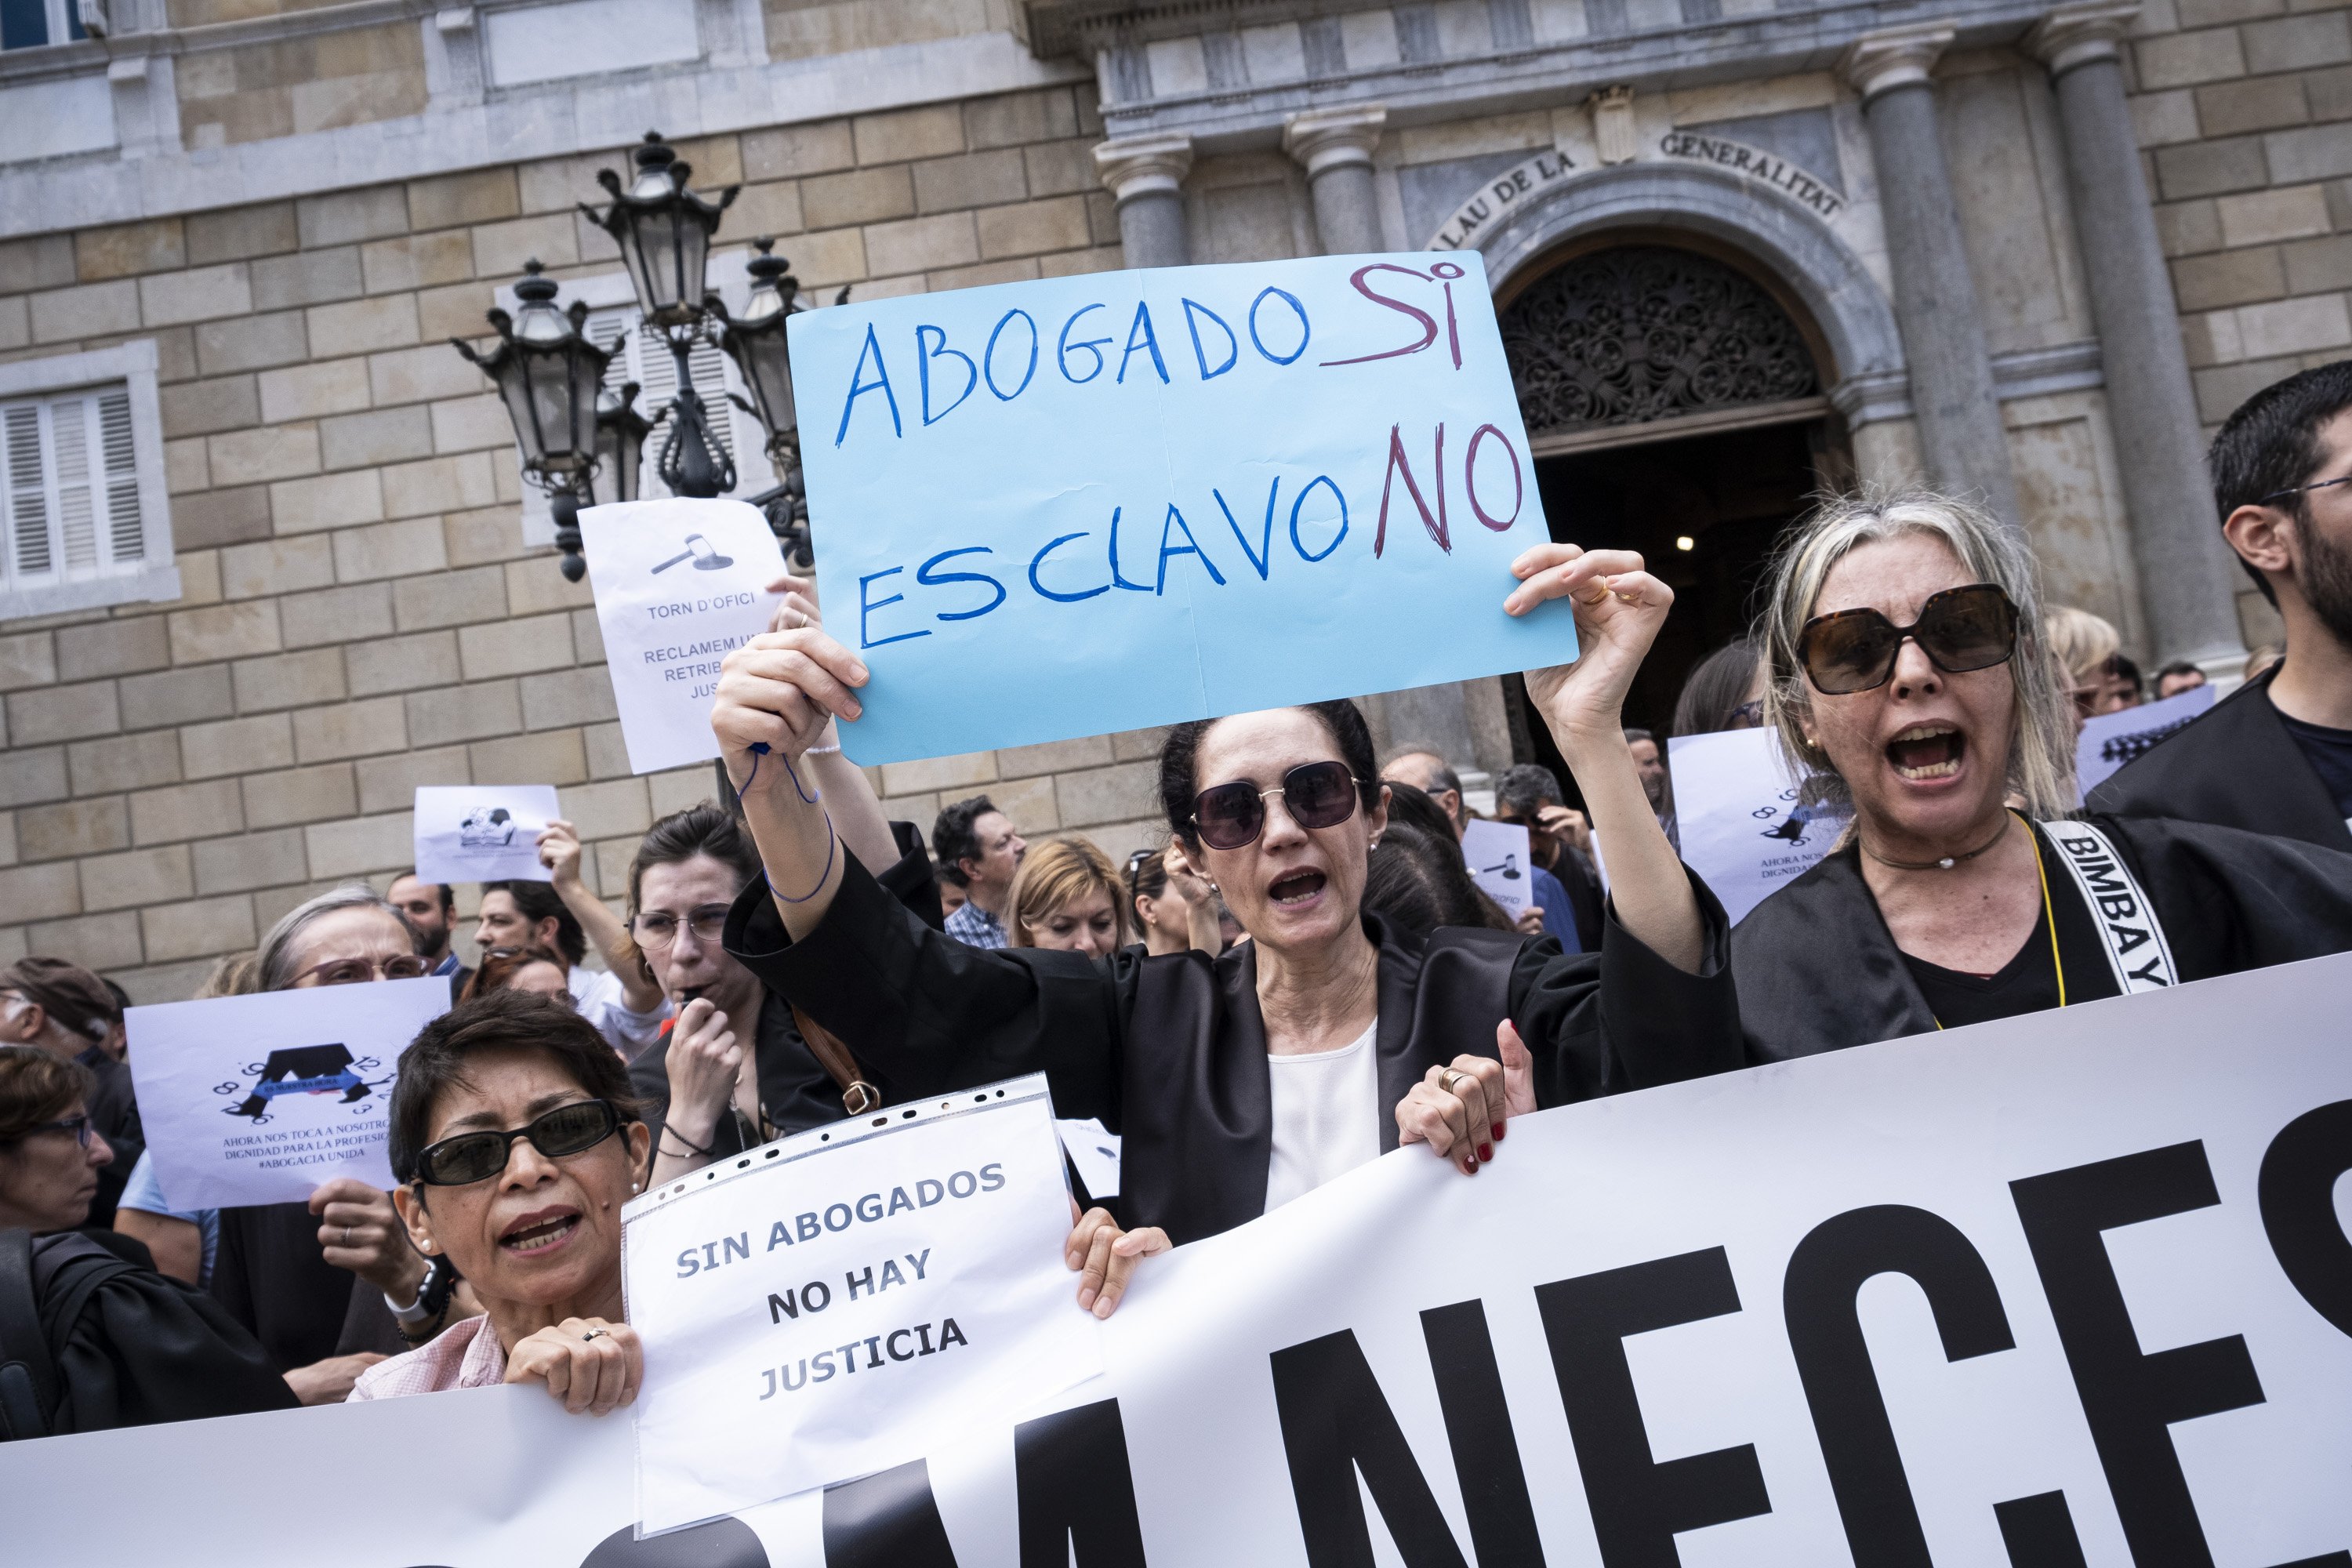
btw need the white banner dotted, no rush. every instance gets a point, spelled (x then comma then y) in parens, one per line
(2111, 740)
(678, 584)
(482, 833)
(2070, 1288)
(841, 1302)
(257, 1100)
(1743, 825)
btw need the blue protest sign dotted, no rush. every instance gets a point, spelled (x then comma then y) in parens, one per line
(1085, 504)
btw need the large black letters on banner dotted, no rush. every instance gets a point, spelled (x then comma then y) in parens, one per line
(2298, 1199)
(1076, 1494)
(1818, 1297)
(1335, 1421)
(2039, 1532)
(886, 1520)
(1478, 1428)
(2131, 1398)
(1639, 1505)
(714, 1544)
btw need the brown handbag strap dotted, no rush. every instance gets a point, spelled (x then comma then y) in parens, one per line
(858, 1096)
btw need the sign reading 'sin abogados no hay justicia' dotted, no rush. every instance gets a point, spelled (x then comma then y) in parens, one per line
(1055, 509)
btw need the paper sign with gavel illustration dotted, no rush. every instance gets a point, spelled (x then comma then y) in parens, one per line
(699, 551)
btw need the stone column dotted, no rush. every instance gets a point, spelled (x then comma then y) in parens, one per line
(1336, 147)
(1952, 394)
(2187, 574)
(1146, 174)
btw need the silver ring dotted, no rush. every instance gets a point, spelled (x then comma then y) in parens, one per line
(347, 1235)
(592, 1334)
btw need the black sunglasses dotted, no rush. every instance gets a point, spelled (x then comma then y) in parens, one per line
(1960, 630)
(472, 1157)
(1232, 816)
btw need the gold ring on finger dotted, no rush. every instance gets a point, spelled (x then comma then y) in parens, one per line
(1446, 1082)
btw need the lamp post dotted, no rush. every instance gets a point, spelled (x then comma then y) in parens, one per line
(584, 445)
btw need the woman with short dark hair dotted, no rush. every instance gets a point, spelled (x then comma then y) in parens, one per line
(1240, 1081)
(516, 1143)
(102, 1339)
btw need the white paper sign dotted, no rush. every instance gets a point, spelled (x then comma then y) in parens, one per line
(482, 833)
(2113, 739)
(257, 1100)
(1497, 853)
(837, 1302)
(1094, 1151)
(1743, 828)
(678, 584)
(2073, 1281)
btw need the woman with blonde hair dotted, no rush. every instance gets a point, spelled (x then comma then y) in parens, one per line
(1910, 670)
(1067, 898)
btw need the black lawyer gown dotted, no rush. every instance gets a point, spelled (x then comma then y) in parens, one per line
(1814, 968)
(1169, 1051)
(2235, 765)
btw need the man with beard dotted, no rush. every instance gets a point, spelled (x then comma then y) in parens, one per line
(430, 908)
(2275, 756)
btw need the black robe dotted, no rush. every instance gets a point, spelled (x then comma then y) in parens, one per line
(1815, 968)
(796, 1093)
(132, 1346)
(273, 1277)
(1170, 1052)
(2235, 764)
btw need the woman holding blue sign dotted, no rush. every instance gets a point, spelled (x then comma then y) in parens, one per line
(1910, 667)
(1242, 1081)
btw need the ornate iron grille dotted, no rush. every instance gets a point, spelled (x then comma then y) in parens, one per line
(1626, 336)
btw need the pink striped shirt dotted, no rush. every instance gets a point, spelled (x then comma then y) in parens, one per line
(465, 1355)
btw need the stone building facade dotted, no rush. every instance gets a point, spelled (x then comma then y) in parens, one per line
(277, 570)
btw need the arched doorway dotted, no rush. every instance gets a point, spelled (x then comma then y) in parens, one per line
(1677, 403)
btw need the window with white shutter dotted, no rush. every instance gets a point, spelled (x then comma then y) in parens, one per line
(644, 358)
(83, 511)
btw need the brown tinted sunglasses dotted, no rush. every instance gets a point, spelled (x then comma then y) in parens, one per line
(1960, 630)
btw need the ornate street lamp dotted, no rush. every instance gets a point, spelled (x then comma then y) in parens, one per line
(584, 445)
(664, 231)
(755, 342)
(548, 374)
(621, 433)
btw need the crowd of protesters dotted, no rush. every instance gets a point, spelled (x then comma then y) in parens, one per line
(1297, 974)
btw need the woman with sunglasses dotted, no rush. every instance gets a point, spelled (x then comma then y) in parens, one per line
(1238, 1081)
(1908, 670)
(516, 1142)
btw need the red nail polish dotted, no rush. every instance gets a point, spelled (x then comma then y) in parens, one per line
(1498, 1133)
(1486, 1150)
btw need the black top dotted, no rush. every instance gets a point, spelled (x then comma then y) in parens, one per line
(274, 1280)
(2329, 753)
(132, 1346)
(1815, 969)
(1169, 1051)
(2235, 765)
(114, 1111)
(794, 1092)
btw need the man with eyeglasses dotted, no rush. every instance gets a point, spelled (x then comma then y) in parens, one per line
(2275, 756)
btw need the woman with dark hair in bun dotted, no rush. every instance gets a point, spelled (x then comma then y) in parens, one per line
(1238, 1081)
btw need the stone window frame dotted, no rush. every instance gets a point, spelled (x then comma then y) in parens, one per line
(132, 366)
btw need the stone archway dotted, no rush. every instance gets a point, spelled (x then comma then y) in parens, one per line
(1864, 375)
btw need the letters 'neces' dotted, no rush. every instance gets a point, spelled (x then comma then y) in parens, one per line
(1076, 1489)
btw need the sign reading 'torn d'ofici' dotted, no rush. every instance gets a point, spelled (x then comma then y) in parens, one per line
(1055, 509)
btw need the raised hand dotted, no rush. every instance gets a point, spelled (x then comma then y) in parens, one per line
(1462, 1111)
(779, 691)
(1619, 608)
(559, 851)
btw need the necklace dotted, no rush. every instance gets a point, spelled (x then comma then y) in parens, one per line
(1946, 864)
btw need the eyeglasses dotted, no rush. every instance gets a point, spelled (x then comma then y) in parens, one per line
(660, 929)
(2299, 490)
(1748, 714)
(1960, 630)
(1318, 794)
(472, 1157)
(77, 1125)
(360, 971)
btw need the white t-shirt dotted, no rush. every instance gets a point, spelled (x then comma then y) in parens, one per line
(597, 993)
(1327, 1117)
